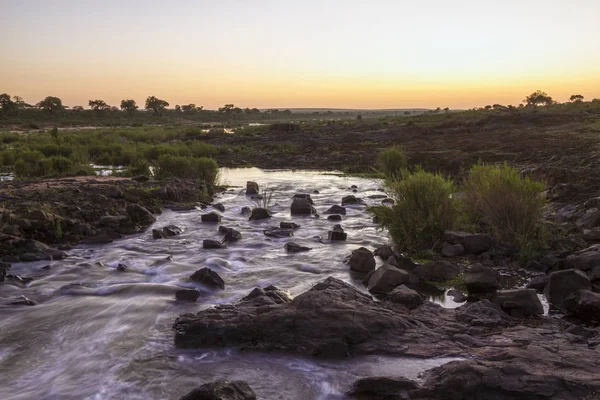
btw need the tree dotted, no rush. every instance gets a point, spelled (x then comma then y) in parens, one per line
(446, 109)
(155, 104)
(189, 108)
(538, 98)
(6, 103)
(227, 108)
(98, 105)
(576, 98)
(77, 108)
(129, 105)
(51, 104)
(406, 112)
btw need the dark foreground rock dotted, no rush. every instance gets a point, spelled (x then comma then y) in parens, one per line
(362, 261)
(208, 277)
(222, 390)
(337, 233)
(20, 249)
(259, 213)
(292, 247)
(187, 294)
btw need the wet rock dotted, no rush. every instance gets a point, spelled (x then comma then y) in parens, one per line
(584, 304)
(222, 390)
(4, 267)
(562, 283)
(19, 249)
(436, 271)
(301, 206)
(23, 301)
(292, 247)
(156, 234)
(304, 196)
(590, 219)
(519, 303)
(246, 210)
(351, 200)
(334, 217)
(140, 178)
(537, 283)
(384, 252)
(252, 188)
(288, 225)
(168, 193)
(19, 278)
(259, 213)
(210, 244)
(187, 294)
(485, 314)
(388, 201)
(231, 235)
(208, 277)
(337, 234)
(278, 232)
(100, 239)
(121, 267)
(452, 250)
(172, 230)
(140, 215)
(405, 296)
(361, 261)
(473, 243)
(481, 280)
(382, 388)
(386, 278)
(219, 206)
(211, 217)
(266, 296)
(457, 296)
(336, 210)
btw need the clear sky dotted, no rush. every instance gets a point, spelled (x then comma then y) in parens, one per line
(300, 53)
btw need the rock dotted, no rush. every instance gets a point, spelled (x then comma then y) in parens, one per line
(591, 235)
(101, 239)
(519, 303)
(288, 225)
(473, 243)
(212, 244)
(140, 215)
(384, 252)
(585, 305)
(252, 188)
(278, 232)
(231, 235)
(336, 210)
(481, 280)
(562, 283)
(172, 230)
(303, 196)
(386, 278)
(452, 250)
(246, 210)
(536, 266)
(337, 234)
(457, 296)
(211, 217)
(19, 278)
(537, 283)
(436, 271)
(4, 267)
(583, 260)
(259, 213)
(23, 301)
(301, 206)
(187, 294)
(292, 247)
(121, 267)
(219, 206)
(590, 219)
(351, 199)
(334, 217)
(266, 296)
(140, 178)
(222, 390)
(484, 314)
(550, 261)
(405, 296)
(382, 388)
(361, 261)
(19, 249)
(168, 193)
(388, 201)
(208, 277)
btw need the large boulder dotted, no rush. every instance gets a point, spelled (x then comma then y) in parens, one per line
(436, 271)
(208, 277)
(405, 296)
(386, 278)
(362, 261)
(519, 302)
(140, 215)
(452, 250)
(481, 280)
(484, 314)
(14, 248)
(301, 206)
(211, 218)
(252, 188)
(590, 219)
(384, 252)
(337, 233)
(562, 283)
(351, 200)
(222, 390)
(336, 210)
(231, 235)
(473, 243)
(585, 259)
(259, 213)
(537, 283)
(187, 294)
(584, 304)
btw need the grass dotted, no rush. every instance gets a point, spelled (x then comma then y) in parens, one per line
(203, 169)
(391, 162)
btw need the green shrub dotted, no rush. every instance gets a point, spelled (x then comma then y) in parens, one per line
(203, 169)
(392, 161)
(424, 208)
(511, 204)
(61, 165)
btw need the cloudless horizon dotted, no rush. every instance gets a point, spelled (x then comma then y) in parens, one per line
(301, 54)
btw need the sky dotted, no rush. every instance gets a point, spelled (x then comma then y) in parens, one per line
(292, 53)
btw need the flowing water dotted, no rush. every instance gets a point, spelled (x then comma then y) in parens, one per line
(99, 333)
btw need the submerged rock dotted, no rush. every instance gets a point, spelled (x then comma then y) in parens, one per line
(278, 232)
(288, 225)
(222, 390)
(337, 234)
(212, 244)
(208, 277)
(336, 210)
(362, 261)
(259, 213)
(211, 217)
(187, 294)
(351, 200)
(292, 247)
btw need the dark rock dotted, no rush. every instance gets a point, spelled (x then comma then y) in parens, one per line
(481, 280)
(140, 178)
(405, 296)
(187, 294)
(252, 188)
(301, 206)
(231, 235)
(140, 215)
(278, 232)
(304, 196)
(288, 225)
(23, 301)
(562, 283)
(334, 217)
(336, 210)
(590, 219)
(98, 239)
(457, 296)
(473, 243)
(353, 187)
(536, 266)
(4, 267)
(351, 199)
(452, 250)
(550, 261)
(246, 210)
(266, 296)
(122, 267)
(168, 193)
(584, 304)
(382, 388)
(591, 235)
(386, 278)
(292, 247)
(436, 271)
(212, 244)
(211, 217)
(337, 234)
(19, 278)
(484, 313)
(19, 249)
(219, 206)
(316, 191)
(222, 390)
(584, 260)
(537, 283)
(519, 303)
(172, 230)
(384, 252)
(259, 213)
(156, 234)
(388, 201)
(208, 277)
(361, 261)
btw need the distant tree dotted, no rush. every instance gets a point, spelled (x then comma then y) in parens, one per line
(538, 98)
(155, 104)
(51, 104)
(6, 103)
(498, 107)
(177, 108)
(98, 105)
(576, 98)
(77, 108)
(227, 108)
(189, 108)
(129, 105)
(359, 117)
(437, 110)
(286, 112)
(115, 109)
(406, 112)
(446, 109)
(488, 107)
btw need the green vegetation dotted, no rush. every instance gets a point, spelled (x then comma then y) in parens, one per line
(391, 162)
(203, 169)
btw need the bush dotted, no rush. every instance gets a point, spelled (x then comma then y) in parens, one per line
(392, 161)
(61, 165)
(511, 204)
(202, 168)
(424, 209)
